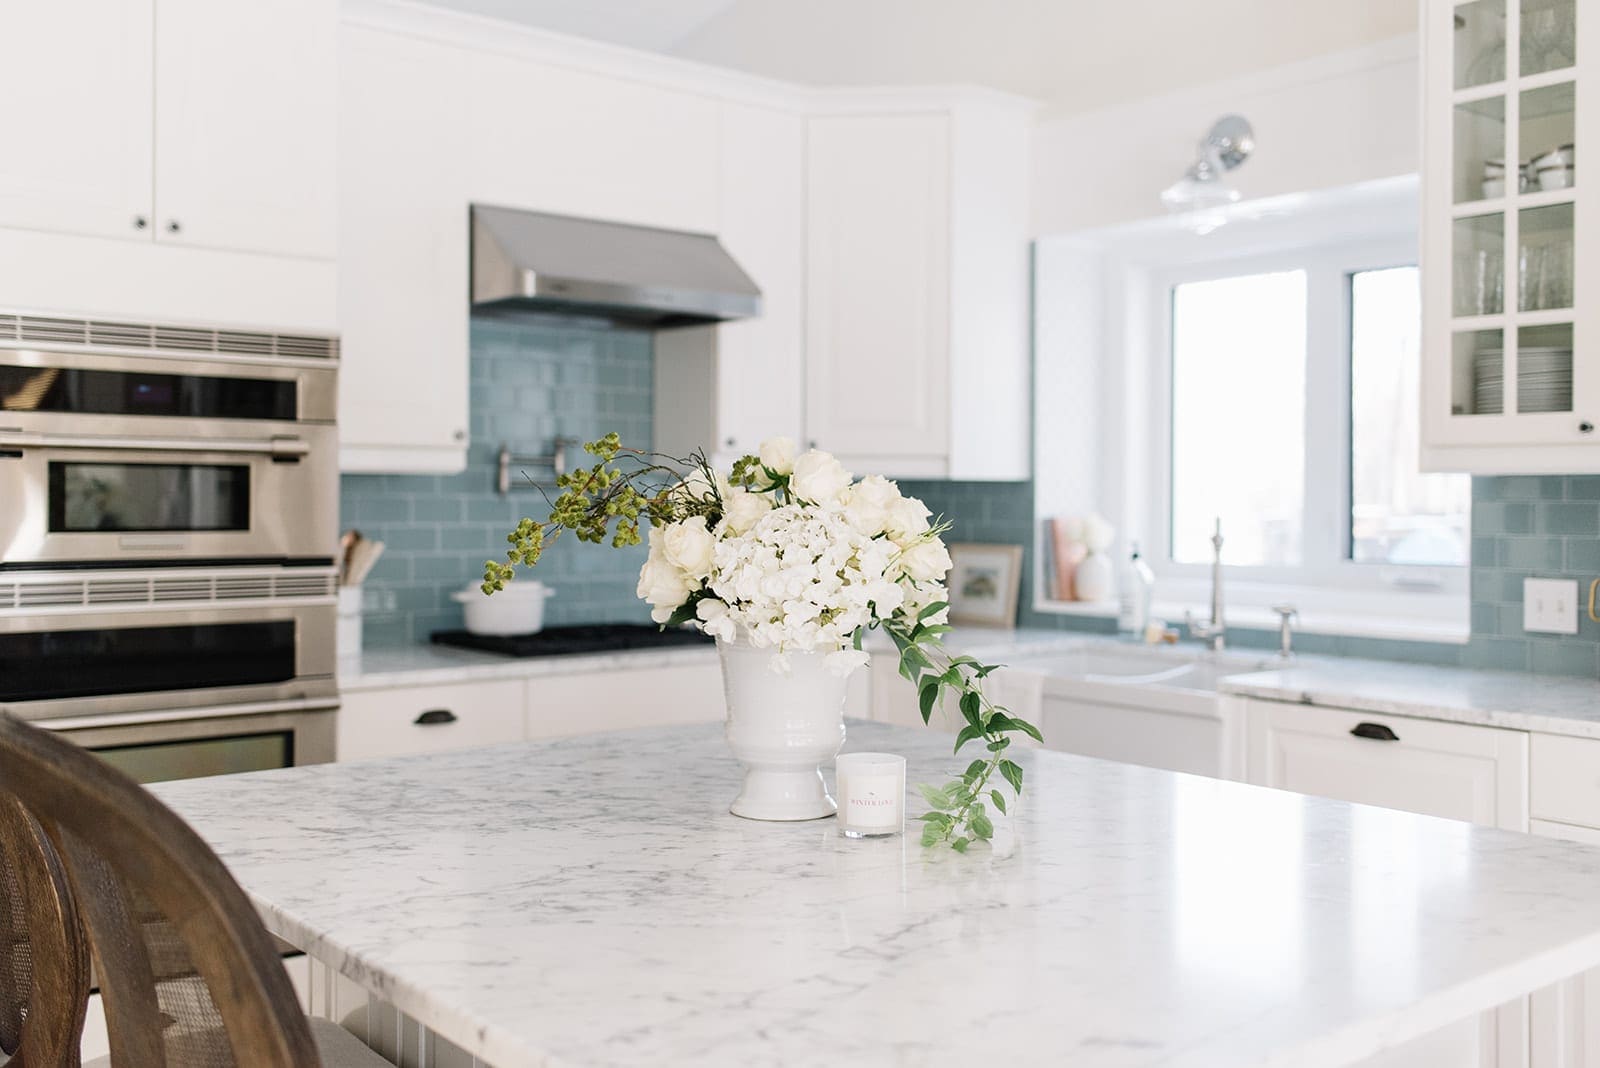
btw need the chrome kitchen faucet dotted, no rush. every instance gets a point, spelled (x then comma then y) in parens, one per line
(1215, 632)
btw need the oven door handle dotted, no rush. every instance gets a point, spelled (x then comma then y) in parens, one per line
(276, 447)
(175, 715)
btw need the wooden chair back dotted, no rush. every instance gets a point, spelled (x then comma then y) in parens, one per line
(44, 960)
(189, 976)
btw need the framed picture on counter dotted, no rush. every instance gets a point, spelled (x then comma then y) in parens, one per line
(984, 581)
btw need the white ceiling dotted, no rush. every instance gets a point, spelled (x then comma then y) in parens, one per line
(1076, 55)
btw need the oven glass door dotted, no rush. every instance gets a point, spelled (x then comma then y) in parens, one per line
(132, 498)
(90, 391)
(55, 664)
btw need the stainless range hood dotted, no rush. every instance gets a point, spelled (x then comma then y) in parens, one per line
(635, 275)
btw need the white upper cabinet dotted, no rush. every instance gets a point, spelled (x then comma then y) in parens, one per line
(724, 388)
(77, 78)
(246, 125)
(552, 139)
(1511, 260)
(403, 252)
(917, 286)
(199, 122)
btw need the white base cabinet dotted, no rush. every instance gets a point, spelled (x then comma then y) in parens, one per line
(1477, 774)
(1175, 732)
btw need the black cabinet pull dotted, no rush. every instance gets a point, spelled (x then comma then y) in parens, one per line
(1376, 731)
(435, 717)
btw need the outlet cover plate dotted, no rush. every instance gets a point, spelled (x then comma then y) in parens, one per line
(1550, 606)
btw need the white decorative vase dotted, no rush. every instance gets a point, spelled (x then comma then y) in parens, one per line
(781, 727)
(1094, 579)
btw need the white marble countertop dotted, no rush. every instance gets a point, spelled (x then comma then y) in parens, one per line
(590, 902)
(1549, 703)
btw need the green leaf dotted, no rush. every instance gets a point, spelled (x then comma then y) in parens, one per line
(960, 844)
(931, 835)
(997, 745)
(934, 796)
(928, 697)
(1026, 728)
(943, 819)
(859, 635)
(974, 769)
(981, 826)
(971, 706)
(935, 629)
(1012, 773)
(932, 610)
(968, 733)
(999, 800)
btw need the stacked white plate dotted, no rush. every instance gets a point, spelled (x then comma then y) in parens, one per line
(1544, 380)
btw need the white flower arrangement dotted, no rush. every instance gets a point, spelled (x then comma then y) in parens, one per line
(790, 552)
(804, 560)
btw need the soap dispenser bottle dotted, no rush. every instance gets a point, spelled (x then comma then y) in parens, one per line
(1133, 607)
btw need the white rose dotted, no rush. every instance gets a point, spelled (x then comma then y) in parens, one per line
(741, 509)
(661, 582)
(696, 487)
(688, 545)
(777, 455)
(926, 561)
(906, 518)
(867, 504)
(819, 478)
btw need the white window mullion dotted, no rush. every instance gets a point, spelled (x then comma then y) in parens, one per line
(1327, 402)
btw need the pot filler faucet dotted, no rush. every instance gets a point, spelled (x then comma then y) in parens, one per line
(1213, 633)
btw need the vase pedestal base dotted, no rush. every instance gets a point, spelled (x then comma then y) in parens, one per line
(783, 795)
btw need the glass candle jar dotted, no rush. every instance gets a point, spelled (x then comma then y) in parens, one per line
(872, 794)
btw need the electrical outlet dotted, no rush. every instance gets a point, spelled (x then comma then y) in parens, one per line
(1550, 606)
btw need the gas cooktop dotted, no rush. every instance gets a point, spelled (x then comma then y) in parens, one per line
(567, 641)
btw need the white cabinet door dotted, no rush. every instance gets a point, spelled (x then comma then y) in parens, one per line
(246, 125)
(1153, 737)
(1478, 774)
(878, 288)
(429, 719)
(727, 387)
(1564, 1020)
(76, 80)
(554, 139)
(563, 705)
(403, 253)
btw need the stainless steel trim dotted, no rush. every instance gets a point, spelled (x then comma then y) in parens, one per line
(304, 704)
(21, 326)
(314, 729)
(282, 446)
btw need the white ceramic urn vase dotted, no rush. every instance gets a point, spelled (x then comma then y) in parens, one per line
(782, 726)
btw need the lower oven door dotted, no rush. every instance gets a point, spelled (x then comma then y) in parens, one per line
(57, 664)
(194, 743)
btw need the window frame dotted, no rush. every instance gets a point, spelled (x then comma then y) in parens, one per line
(1327, 582)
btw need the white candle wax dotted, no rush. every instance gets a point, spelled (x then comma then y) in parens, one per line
(872, 794)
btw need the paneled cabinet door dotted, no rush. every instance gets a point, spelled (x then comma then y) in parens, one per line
(1477, 774)
(76, 81)
(878, 285)
(246, 125)
(403, 253)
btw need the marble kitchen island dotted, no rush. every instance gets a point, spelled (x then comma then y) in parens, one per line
(590, 902)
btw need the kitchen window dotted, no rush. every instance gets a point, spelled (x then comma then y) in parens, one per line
(1291, 413)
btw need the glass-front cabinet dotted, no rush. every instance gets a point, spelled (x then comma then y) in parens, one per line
(1511, 245)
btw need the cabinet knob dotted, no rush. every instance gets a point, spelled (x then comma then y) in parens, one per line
(435, 717)
(1586, 427)
(459, 435)
(730, 442)
(811, 443)
(173, 227)
(140, 222)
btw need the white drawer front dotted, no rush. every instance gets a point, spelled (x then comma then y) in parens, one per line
(563, 705)
(1565, 776)
(429, 719)
(1478, 774)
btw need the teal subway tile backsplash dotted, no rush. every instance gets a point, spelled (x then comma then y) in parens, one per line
(1544, 526)
(532, 380)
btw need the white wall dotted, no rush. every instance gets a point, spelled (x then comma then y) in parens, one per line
(1334, 121)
